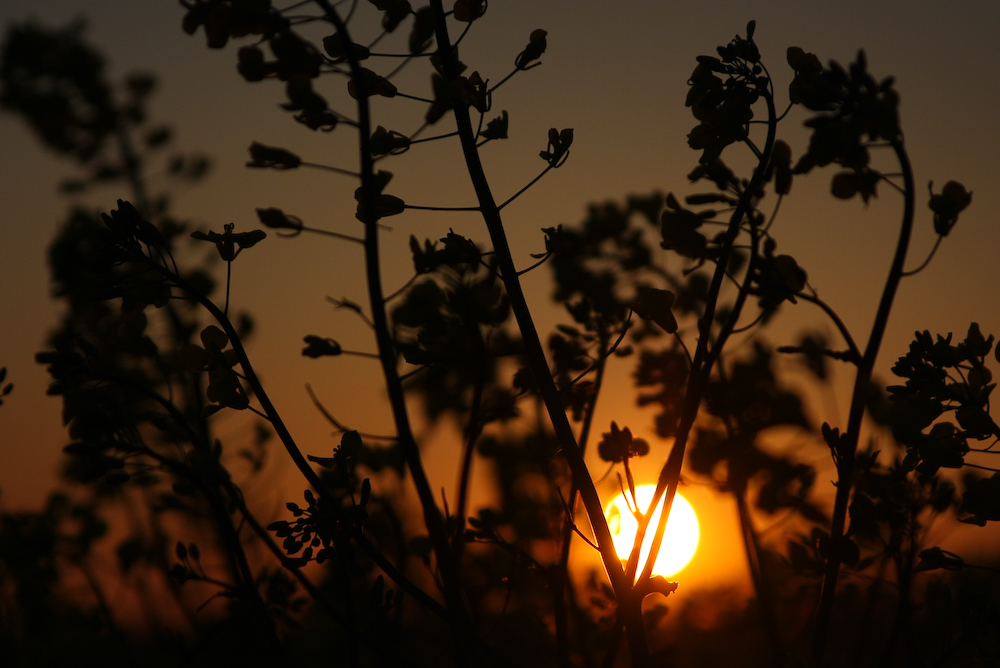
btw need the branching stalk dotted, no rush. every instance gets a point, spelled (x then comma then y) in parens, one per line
(862, 382)
(461, 626)
(536, 357)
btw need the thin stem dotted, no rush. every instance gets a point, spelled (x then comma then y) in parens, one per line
(504, 80)
(774, 214)
(399, 68)
(411, 97)
(753, 147)
(341, 303)
(544, 259)
(465, 32)
(442, 208)
(410, 374)
(435, 137)
(861, 390)
(926, 262)
(328, 233)
(750, 325)
(358, 353)
(464, 635)
(536, 354)
(229, 280)
(531, 183)
(600, 359)
(328, 168)
(982, 468)
(841, 327)
(402, 289)
(669, 476)
(257, 412)
(338, 425)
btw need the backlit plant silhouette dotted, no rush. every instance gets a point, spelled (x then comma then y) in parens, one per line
(147, 355)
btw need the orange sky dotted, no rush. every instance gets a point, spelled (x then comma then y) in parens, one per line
(615, 72)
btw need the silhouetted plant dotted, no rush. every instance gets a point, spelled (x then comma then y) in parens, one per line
(495, 585)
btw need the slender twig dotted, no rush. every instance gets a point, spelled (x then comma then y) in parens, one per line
(841, 327)
(434, 138)
(338, 425)
(329, 233)
(750, 325)
(258, 413)
(601, 357)
(926, 262)
(402, 289)
(411, 97)
(504, 80)
(328, 168)
(774, 214)
(354, 308)
(544, 259)
(410, 374)
(359, 353)
(399, 68)
(442, 208)
(530, 183)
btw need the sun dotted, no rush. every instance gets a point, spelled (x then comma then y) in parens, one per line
(680, 539)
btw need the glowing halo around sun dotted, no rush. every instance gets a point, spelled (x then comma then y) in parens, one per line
(680, 539)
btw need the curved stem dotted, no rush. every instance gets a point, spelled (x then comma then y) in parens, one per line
(544, 259)
(862, 381)
(926, 262)
(841, 327)
(700, 369)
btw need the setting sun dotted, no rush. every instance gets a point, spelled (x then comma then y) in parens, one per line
(679, 540)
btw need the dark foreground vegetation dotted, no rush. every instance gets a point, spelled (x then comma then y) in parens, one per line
(149, 352)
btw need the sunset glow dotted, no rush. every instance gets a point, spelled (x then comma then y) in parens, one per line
(680, 540)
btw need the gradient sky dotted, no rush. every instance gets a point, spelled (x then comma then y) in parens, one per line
(615, 72)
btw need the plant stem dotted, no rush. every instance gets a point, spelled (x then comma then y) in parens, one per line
(700, 369)
(461, 625)
(535, 355)
(861, 388)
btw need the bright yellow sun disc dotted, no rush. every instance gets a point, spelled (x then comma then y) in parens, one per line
(680, 539)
